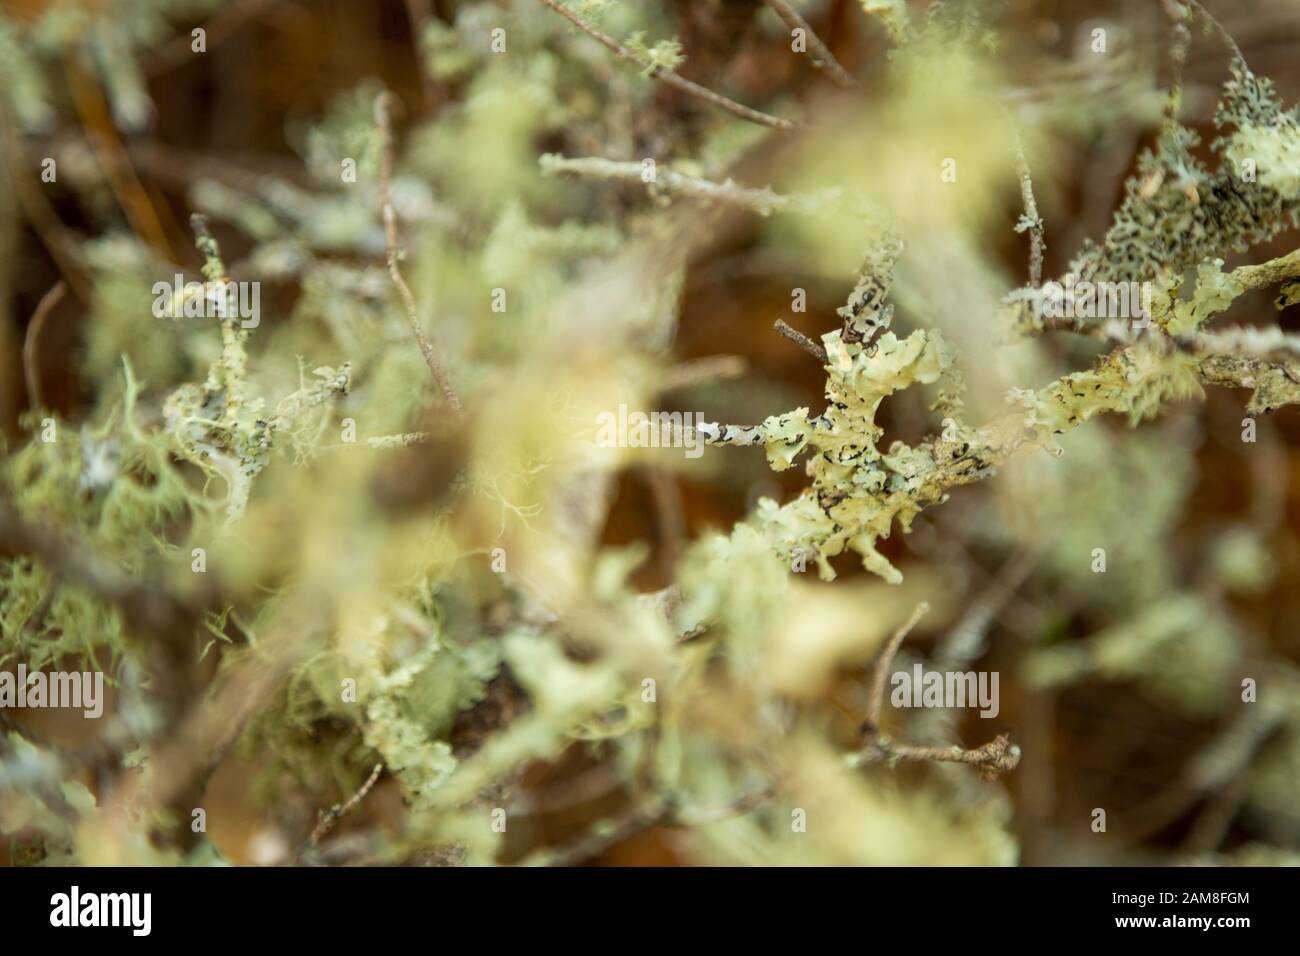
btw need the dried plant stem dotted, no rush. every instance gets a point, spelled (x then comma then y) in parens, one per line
(762, 201)
(330, 818)
(698, 371)
(992, 758)
(669, 78)
(384, 123)
(1199, 9)
(671, 524)
(93, 111)
(1032, 220)
(31, 366)
(657, 812)
(58, 239)
(801, 340)
(879, 678)
(822, 56)
(624, 826)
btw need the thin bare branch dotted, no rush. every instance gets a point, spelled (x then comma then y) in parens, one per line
(331, 817)
(801, 340)
(822, 56)
(31, 364)
(698, 371)
(669, 78)
(384, 123)
(992, 758)
(762, 201)
(876, 701)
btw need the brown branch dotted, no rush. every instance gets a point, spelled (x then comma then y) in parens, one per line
(331, 817)
(96, 119)
(185, 757)
(803, 341)
(700, 371)
(659, 812)
(667, 498)
(31, 366)
(59, 241)
(876, 701)
(966, 641)
(669, 78)
(992, 758)
(383, 121)
(596, 841)
(822, 56)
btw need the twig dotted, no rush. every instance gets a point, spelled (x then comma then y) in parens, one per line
(667, 499)
(93, 111)
(822, 56)
(876, 701)
(586, 787)
(31, 368)
(1198, 8)
(383, 122)
(1264, 274)
(966, 641)
(229, 370)
(1212, 823)
(185, 756)
(627, 824)
(994, 757)
(1031, 220)
(700, 816)
(331, 817)
(669, 78)
(659, 812)
(1179, 44)
(803, 341)
(762, 201)
(698, 371)
(57, 238)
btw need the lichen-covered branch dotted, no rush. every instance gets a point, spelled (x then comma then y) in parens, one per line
(670, 78)
(762, 201)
